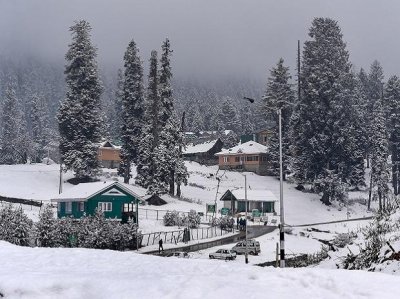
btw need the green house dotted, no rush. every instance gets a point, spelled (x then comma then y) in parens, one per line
(116, 200)
(262, 200)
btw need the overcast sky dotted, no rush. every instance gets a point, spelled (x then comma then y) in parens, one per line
(209, 37)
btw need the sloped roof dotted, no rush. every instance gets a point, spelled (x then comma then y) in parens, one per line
(199, 148)
(249, 147)
(83, 191)
(252, 195)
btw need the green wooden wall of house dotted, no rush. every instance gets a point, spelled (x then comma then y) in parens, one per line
(88, 207)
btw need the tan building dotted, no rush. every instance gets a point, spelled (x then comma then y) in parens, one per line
(249, 156)
(109, 155)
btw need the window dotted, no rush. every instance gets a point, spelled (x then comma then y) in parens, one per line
(81, 206)
(128, 207)
(105, 206)
(59, 207)
(226, 159)
(237, 159)
(68, 207)
(255, 158)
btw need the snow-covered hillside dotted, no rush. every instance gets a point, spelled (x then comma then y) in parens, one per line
(41, 182)
(83, 273)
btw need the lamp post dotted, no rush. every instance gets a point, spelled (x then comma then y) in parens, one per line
(282, 224)
(282, 214)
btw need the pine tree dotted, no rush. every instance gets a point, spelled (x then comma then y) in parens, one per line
(392, 100)
(247, 123)
(133, 109)
(379, 155)
(374, 90)
(39, 121)
(118, 109)
(11, 151)
(165, 76)
(145, 165)
(79, 117)
(325, 143)
(279, 95)
(229, 116)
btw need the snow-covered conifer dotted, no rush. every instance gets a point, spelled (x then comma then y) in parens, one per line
(133, 109)
(279, 95)
(79, 116)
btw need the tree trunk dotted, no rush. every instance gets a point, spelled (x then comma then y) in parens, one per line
(172, 183)
(370, 193)
(367, 157)
(178, 190)
(127, 173)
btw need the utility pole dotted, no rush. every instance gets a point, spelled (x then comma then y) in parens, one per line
(60, 183)
(282, 224)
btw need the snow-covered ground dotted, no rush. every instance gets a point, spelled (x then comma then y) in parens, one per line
(84, 273)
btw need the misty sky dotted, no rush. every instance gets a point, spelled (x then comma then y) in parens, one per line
(209, 37)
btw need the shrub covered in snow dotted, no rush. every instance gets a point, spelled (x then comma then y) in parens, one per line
(15, 226)
(193, 219)
(45, 228)
(374, 249)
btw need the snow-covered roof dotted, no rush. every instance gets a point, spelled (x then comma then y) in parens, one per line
(254, 195)
(249, 147)
(83, 191)
(199, 148)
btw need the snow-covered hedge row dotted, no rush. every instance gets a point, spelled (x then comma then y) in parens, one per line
(175, 218)
(90, 232)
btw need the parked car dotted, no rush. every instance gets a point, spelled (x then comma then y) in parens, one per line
(178, 254)
(253, 247)
(224, 254)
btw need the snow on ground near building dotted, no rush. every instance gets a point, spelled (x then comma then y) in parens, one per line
(41, 182)
(83, 273)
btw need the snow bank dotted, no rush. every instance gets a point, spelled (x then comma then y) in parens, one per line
(85, 273)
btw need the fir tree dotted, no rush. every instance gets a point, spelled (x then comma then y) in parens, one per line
(229, 116)
(133, 109)
(392, 100)
(379, 155)
(39, 123)
(14, 140)
(325, 144)
(118, 109)
(279, 95)
(145, 165)
(79, 117)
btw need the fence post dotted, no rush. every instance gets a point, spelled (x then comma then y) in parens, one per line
(157, 214)
(146, 213)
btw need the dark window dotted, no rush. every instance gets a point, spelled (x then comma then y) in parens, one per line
(237, 159)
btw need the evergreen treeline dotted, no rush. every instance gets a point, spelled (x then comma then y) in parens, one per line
(340, 122)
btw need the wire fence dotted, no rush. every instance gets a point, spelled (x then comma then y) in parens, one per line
(173, 237)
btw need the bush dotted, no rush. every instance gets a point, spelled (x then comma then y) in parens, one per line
(45, 228)
(15, 226)
(193, 219)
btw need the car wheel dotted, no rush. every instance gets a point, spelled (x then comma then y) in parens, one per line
(251, 252)
(211, 257)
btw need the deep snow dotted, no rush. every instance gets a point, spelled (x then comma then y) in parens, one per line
(84, 273)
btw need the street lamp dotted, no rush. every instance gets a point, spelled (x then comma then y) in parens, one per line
(282, 218)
